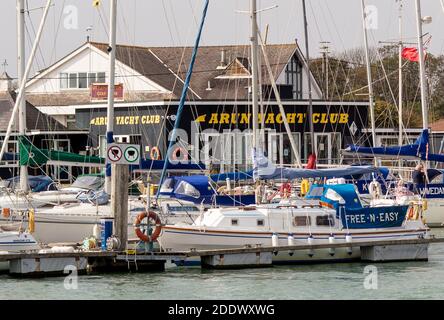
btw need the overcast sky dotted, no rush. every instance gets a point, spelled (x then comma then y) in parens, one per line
(174, 23)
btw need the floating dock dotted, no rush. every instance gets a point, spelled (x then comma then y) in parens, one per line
(93, 261)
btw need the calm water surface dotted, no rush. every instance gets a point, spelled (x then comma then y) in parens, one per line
(407, 280)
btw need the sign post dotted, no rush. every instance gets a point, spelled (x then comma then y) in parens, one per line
(121, 156)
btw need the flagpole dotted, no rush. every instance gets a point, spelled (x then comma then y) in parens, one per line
(425, 123)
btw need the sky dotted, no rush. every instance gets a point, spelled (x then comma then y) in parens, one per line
(175, 22)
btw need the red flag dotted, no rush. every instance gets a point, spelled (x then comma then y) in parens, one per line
(410, 54)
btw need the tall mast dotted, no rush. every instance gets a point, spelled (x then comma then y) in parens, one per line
(25, 76)
(369, 75)
(20, 74)
(112, 67)
(400, 74)
(310, 100)
(425, 123)
(254, 73)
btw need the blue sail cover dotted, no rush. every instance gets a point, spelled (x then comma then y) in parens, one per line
(264, 169)
(197, 189)
(232, 176)
(148, 164)
(415, 150)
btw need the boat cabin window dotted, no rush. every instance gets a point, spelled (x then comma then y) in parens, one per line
(182, 208)
(167, 185)
(234, 222)
(187, 189)
(260, 222)
(325, 220)
(301, 221)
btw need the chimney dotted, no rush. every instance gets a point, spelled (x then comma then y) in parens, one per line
(223, 63)
(5, 82)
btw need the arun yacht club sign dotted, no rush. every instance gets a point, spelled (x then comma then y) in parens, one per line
(272, 118)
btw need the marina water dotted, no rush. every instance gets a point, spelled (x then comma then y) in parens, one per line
(397, 280)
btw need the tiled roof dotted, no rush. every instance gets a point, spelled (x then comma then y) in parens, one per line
(163, 64)
(35, 120)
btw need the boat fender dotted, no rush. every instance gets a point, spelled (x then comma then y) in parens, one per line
(150, 215)
(291, 243)
(305, 186)
(31, 221)
(310, 241)
(275, 241)
(349, 239)
(332, 240)
(6, 212)
(424, 205)
(97, 231)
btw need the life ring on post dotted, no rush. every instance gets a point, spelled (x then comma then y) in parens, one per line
(182, 151)
(155, 153)
(150, 215)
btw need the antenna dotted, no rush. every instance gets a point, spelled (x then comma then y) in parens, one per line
(4, 64)
(88, 33)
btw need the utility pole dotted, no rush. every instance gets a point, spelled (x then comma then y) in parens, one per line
(369, 75)
(112, 68)
(20, 75)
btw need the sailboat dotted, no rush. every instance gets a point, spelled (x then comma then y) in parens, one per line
(430, 194)
(338, 215)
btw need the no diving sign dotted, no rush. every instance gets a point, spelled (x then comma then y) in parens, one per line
(121, 153)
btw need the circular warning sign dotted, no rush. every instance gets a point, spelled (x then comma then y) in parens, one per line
(131, 154)
(114, 154)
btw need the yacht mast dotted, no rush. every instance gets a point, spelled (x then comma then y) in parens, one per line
(422, 77)
(254, 73)
(111, 75)
(369, 74)
(400, 106)
(310, 99)
(24, 77)
(20, 74)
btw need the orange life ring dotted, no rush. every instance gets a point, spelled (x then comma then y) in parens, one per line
(155, 151)
(182, 152)
(150, 215)
(285, 190)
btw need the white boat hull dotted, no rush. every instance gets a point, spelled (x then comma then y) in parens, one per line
(178, 238)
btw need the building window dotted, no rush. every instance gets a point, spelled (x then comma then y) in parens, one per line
(101, 77)
(73, 81)
(293, 74)
(81, 80)
(63, 81)
(92, 76)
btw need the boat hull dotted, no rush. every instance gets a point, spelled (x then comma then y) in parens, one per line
(183, 239)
